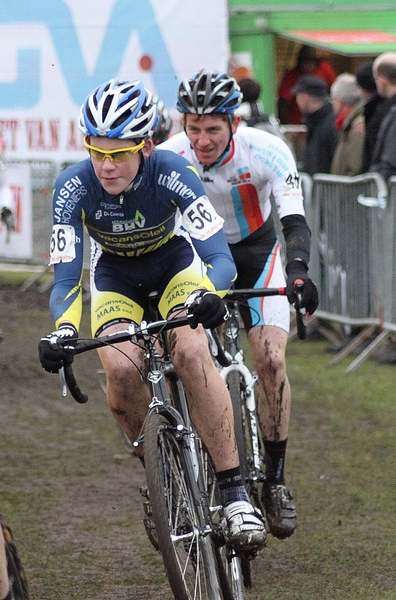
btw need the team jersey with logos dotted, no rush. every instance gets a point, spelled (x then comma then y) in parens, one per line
(256, 164)
(166, 199)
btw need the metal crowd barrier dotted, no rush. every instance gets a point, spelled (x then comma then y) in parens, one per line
(389, 257)
(351, 234)
(42, 177)
(43, 174)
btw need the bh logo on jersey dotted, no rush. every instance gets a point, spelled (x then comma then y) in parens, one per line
(137, 223)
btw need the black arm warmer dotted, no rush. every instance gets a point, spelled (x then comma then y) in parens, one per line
(297, 236)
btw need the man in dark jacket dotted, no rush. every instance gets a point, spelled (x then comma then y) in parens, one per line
(383, 159)
(322, 136)
(374, 110)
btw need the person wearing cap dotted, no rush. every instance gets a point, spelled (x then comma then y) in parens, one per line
(309, 62)
(318, 115)
(348, 106)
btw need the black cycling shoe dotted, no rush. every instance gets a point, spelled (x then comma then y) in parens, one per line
(280, 510)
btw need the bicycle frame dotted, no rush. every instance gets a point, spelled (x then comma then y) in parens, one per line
(159, 373)
(234, 353)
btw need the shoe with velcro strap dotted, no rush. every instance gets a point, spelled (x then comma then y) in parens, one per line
(246, 527)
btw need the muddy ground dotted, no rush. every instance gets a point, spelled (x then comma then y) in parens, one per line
(70, 491)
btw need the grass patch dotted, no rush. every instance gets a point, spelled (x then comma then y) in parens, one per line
(16, 275)
(76, 511)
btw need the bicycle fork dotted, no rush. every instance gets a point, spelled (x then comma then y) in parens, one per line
(249, 381)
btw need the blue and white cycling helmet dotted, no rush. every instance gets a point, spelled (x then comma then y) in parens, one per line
(208, 92)
(119, 109)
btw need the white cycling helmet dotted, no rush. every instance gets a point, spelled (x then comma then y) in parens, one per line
(119, 109)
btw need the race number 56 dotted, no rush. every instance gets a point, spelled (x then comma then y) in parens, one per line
(199, 216)
(201, 220)
(62, 244)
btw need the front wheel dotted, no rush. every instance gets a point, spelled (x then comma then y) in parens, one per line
(230, 563)
(184, 537)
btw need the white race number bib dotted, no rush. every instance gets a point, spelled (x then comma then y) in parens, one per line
(201, 220)
(62, 244)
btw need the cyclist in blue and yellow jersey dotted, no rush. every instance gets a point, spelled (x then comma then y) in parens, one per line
(152, 228)
(240, 169)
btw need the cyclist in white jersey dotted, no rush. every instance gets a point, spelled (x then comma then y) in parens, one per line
(240, 169)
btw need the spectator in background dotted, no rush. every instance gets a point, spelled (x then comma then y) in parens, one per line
(374, 110)
(318, 115)
(251, 109)
(348, 107)
(164, 127)
(308, 63)
(383, 160)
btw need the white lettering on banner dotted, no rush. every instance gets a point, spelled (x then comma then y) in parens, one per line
(201, 220)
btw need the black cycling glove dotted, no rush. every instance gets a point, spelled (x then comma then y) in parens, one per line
(297, 272)
(206, 308)
(53, 358)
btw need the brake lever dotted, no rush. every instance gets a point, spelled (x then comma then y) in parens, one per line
(62, 379)
(216, 348)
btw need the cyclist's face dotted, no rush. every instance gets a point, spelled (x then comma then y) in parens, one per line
(117, 177)
(209, 135)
